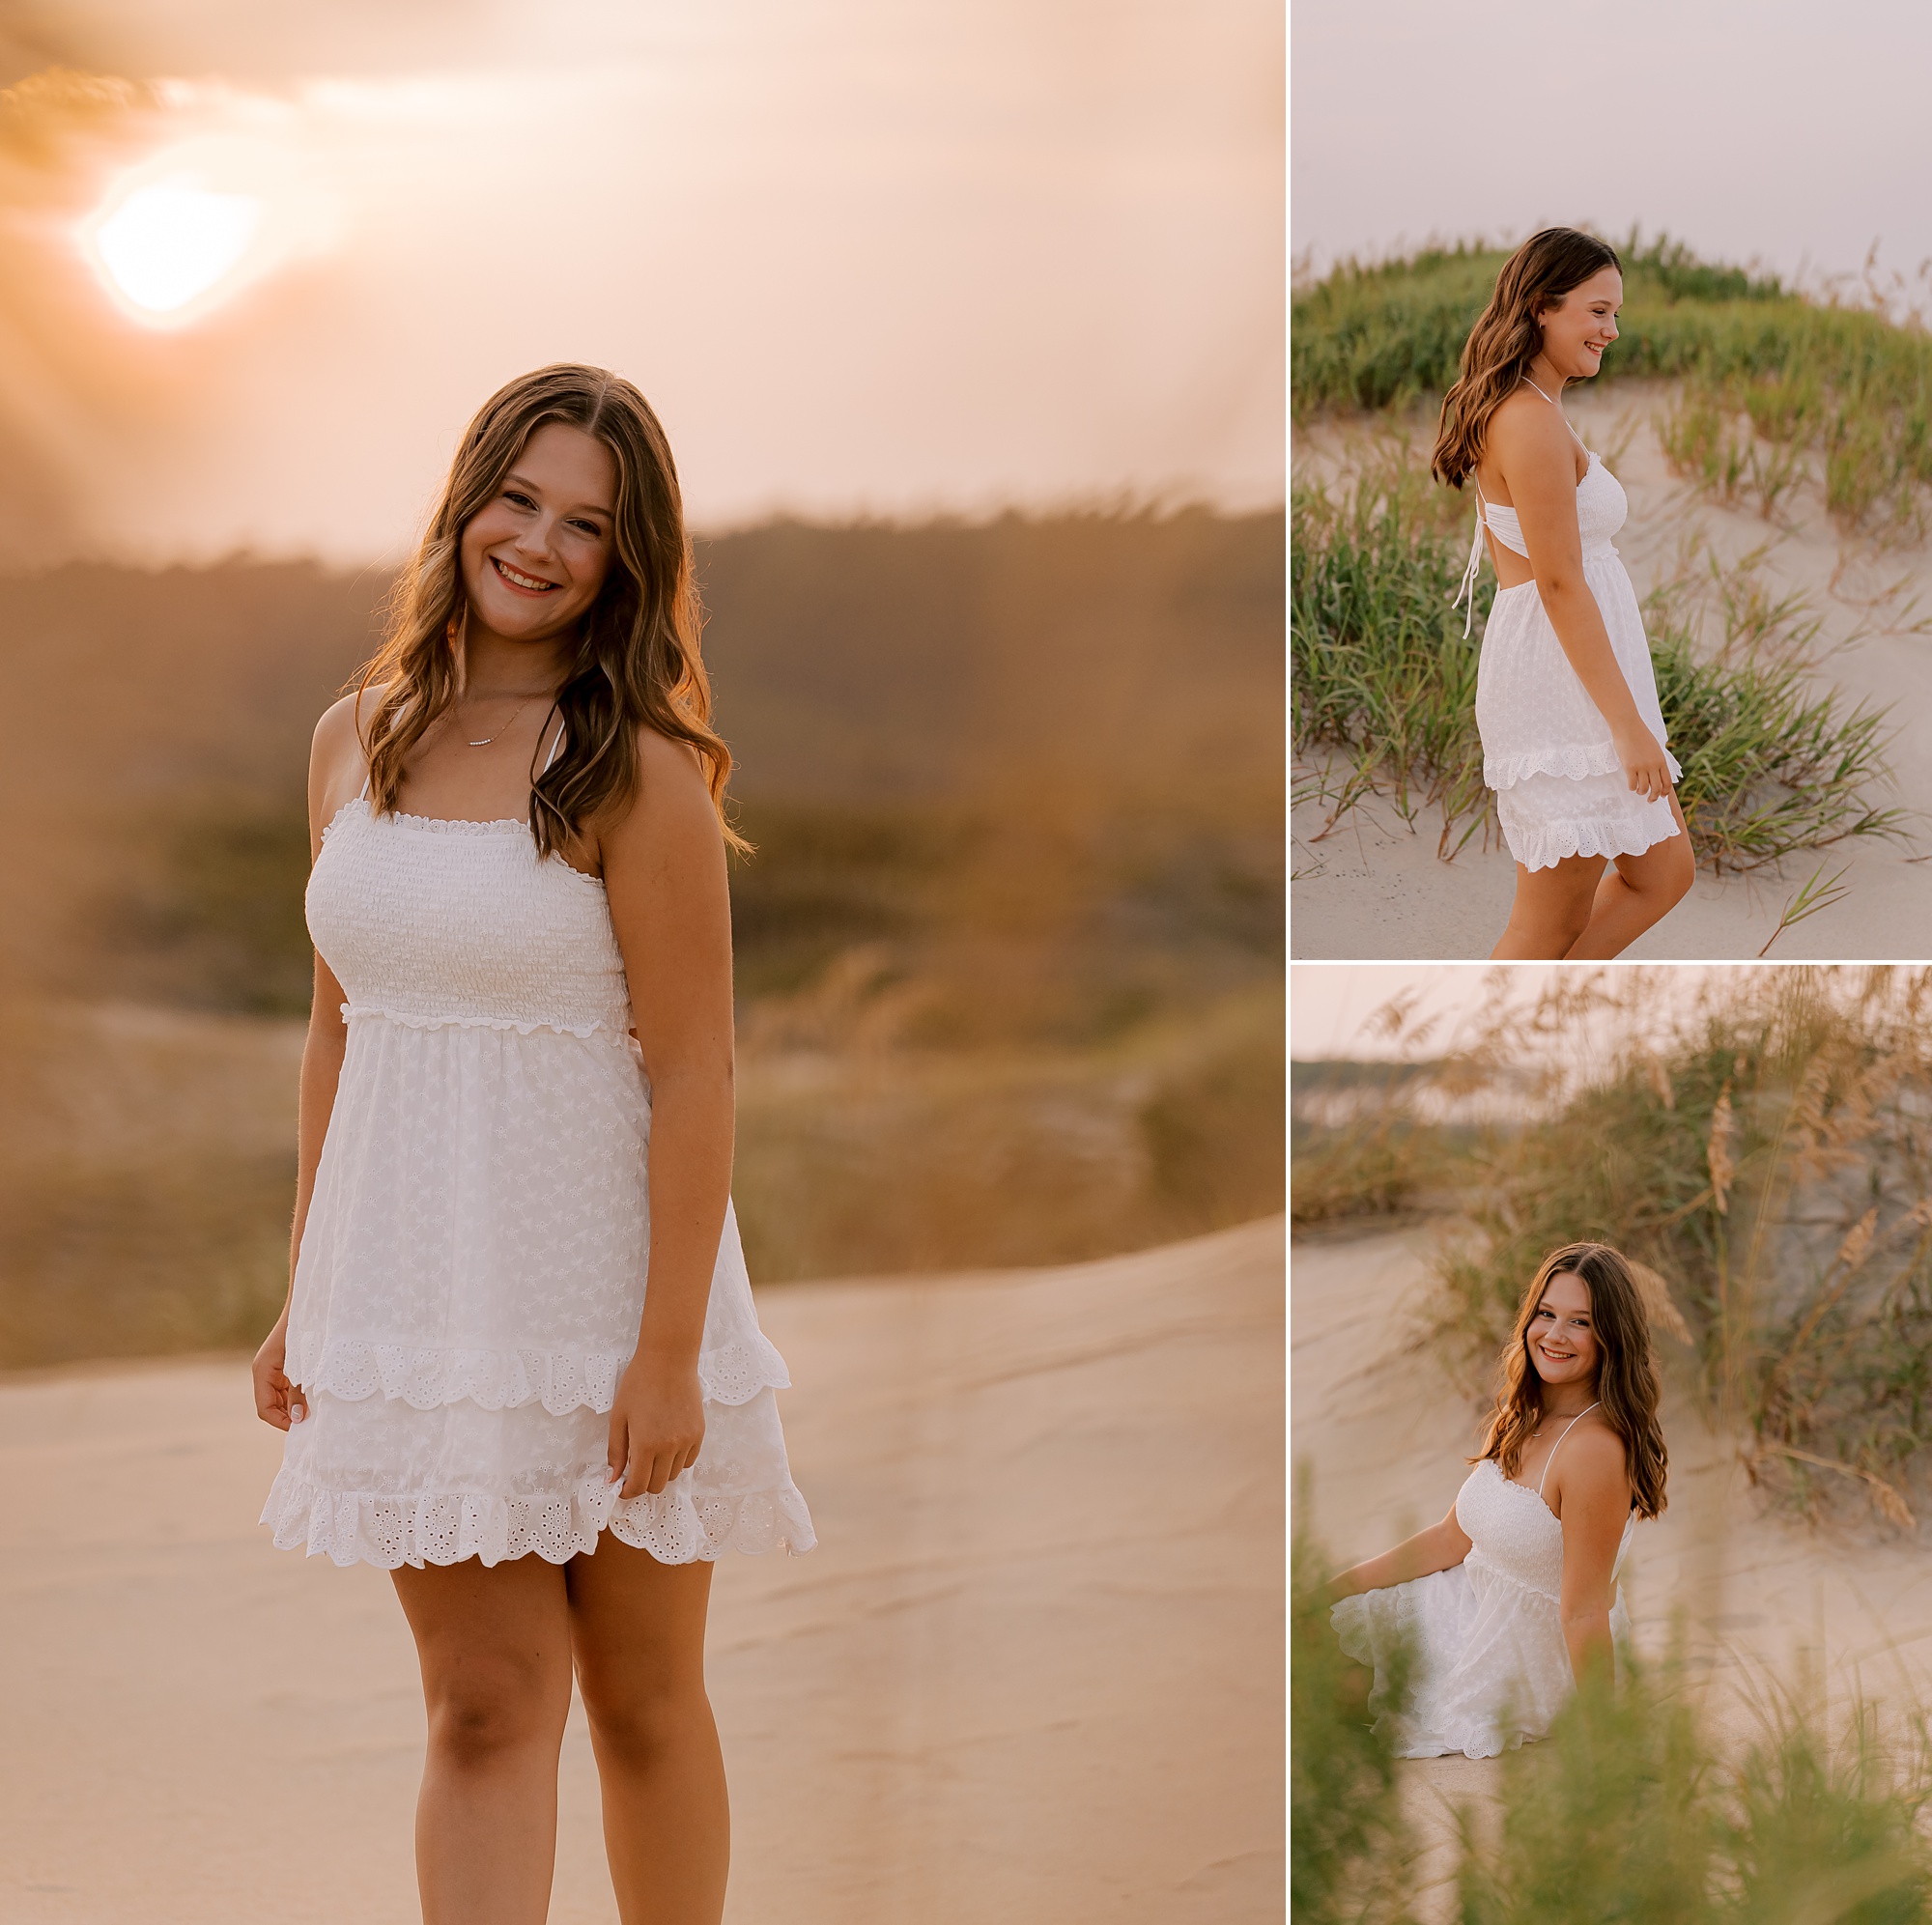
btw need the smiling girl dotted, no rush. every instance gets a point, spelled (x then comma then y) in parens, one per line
(516, 1109)
(1513, 1596)
(1566, 696)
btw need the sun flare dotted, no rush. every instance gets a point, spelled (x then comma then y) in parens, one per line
(168, 244)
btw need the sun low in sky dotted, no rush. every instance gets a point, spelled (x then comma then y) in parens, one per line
(941, 259)
(167, 248)
(195, 223)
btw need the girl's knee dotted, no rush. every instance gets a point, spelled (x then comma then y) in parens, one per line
(493, 1711)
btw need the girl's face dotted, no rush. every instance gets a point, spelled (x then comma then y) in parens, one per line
(1577, 330)
(534, 556)
(1561, 1337)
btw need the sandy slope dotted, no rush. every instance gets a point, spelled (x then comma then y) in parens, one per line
(1374, 888)
(1386, 1437)
(1033, 1672)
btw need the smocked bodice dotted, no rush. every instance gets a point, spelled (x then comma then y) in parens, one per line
(1602, 509)
(432, 922)
(1513, 1533)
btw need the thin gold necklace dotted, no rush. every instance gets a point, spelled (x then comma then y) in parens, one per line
(505, 727)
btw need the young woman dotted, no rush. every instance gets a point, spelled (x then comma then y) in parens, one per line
(1514, 1595)
(1566, 699)
(516, 1104)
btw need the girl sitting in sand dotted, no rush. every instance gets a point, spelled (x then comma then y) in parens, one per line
(1566, 699)
(1514, 1595)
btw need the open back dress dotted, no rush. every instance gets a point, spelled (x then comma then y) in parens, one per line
(1559, 783)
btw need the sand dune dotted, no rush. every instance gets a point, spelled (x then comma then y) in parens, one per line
(1033, 1672)
(1760, 1597)
(1374, 887)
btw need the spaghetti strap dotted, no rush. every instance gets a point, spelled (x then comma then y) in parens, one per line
(556, 747)
(1558, 1444)
(1467, 590)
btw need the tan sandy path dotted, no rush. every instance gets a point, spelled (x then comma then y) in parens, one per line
(1386, 1437)
(1374, 888)
(1033, 1672)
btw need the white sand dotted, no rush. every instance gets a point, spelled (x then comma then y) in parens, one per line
(1386, 1437)
(1032, 1672)
(1374, 888)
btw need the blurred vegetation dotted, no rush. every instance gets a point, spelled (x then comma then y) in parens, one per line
(1775, 387)
(1350, 1849)
(1384, 679)
(1008, 953)
(1632, 1808)
(1760, 1140)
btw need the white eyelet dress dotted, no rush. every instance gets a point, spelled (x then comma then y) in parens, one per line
(1547, 750)
(472, 1268)
(1487, 1664)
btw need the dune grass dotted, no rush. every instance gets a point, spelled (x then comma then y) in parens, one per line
(1631, 1809)
(1759, 1139)
(1775, 387)
(1385, 681)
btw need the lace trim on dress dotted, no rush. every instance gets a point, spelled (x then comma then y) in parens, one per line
(1543, 846)
(561, 1381)
(1576, 760)
(678, 1525)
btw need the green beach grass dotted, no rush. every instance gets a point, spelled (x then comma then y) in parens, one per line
(1632, 1808)
(1383, 683)
(1774, 385)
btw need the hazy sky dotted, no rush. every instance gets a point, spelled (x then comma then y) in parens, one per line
(1795, 132)
(863, 257)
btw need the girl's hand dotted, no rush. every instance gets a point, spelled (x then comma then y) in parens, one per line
(657, 1424)
(1641, 753)
(277, 1400)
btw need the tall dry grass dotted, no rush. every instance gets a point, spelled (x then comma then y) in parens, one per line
(1759, 1139)
(1008, 955)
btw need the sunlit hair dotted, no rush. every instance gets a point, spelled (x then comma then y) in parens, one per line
(1626, 1383)
(1508, 336)
(637, 660)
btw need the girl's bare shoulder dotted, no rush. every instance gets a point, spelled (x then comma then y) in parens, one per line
(1527, 422)
(1592, 1453)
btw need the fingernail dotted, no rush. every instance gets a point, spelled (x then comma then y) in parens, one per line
(296, 1412)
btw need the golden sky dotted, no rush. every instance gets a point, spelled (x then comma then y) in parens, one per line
(864, 258)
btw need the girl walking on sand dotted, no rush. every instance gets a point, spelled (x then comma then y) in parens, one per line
(1513, 1597)
(1566, 699)
(515, 1113)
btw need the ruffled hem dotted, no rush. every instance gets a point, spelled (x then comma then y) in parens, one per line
(411, 1019)
(1576, 760)
(561, 1381)
(679, 1525)
(1548, 843)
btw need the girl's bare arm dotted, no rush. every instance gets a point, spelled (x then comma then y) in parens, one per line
(663, 869)
(1593, 1495)
(336, 774)
(1437, 1549)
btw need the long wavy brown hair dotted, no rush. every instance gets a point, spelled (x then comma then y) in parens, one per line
(1626, 1377)
(637, 661)
(1508, 336)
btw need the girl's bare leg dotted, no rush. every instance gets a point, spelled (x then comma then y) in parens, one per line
(1583, 910)
(1551, 911)
(1638, 892)
(637, 1627)
(494, 1648)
